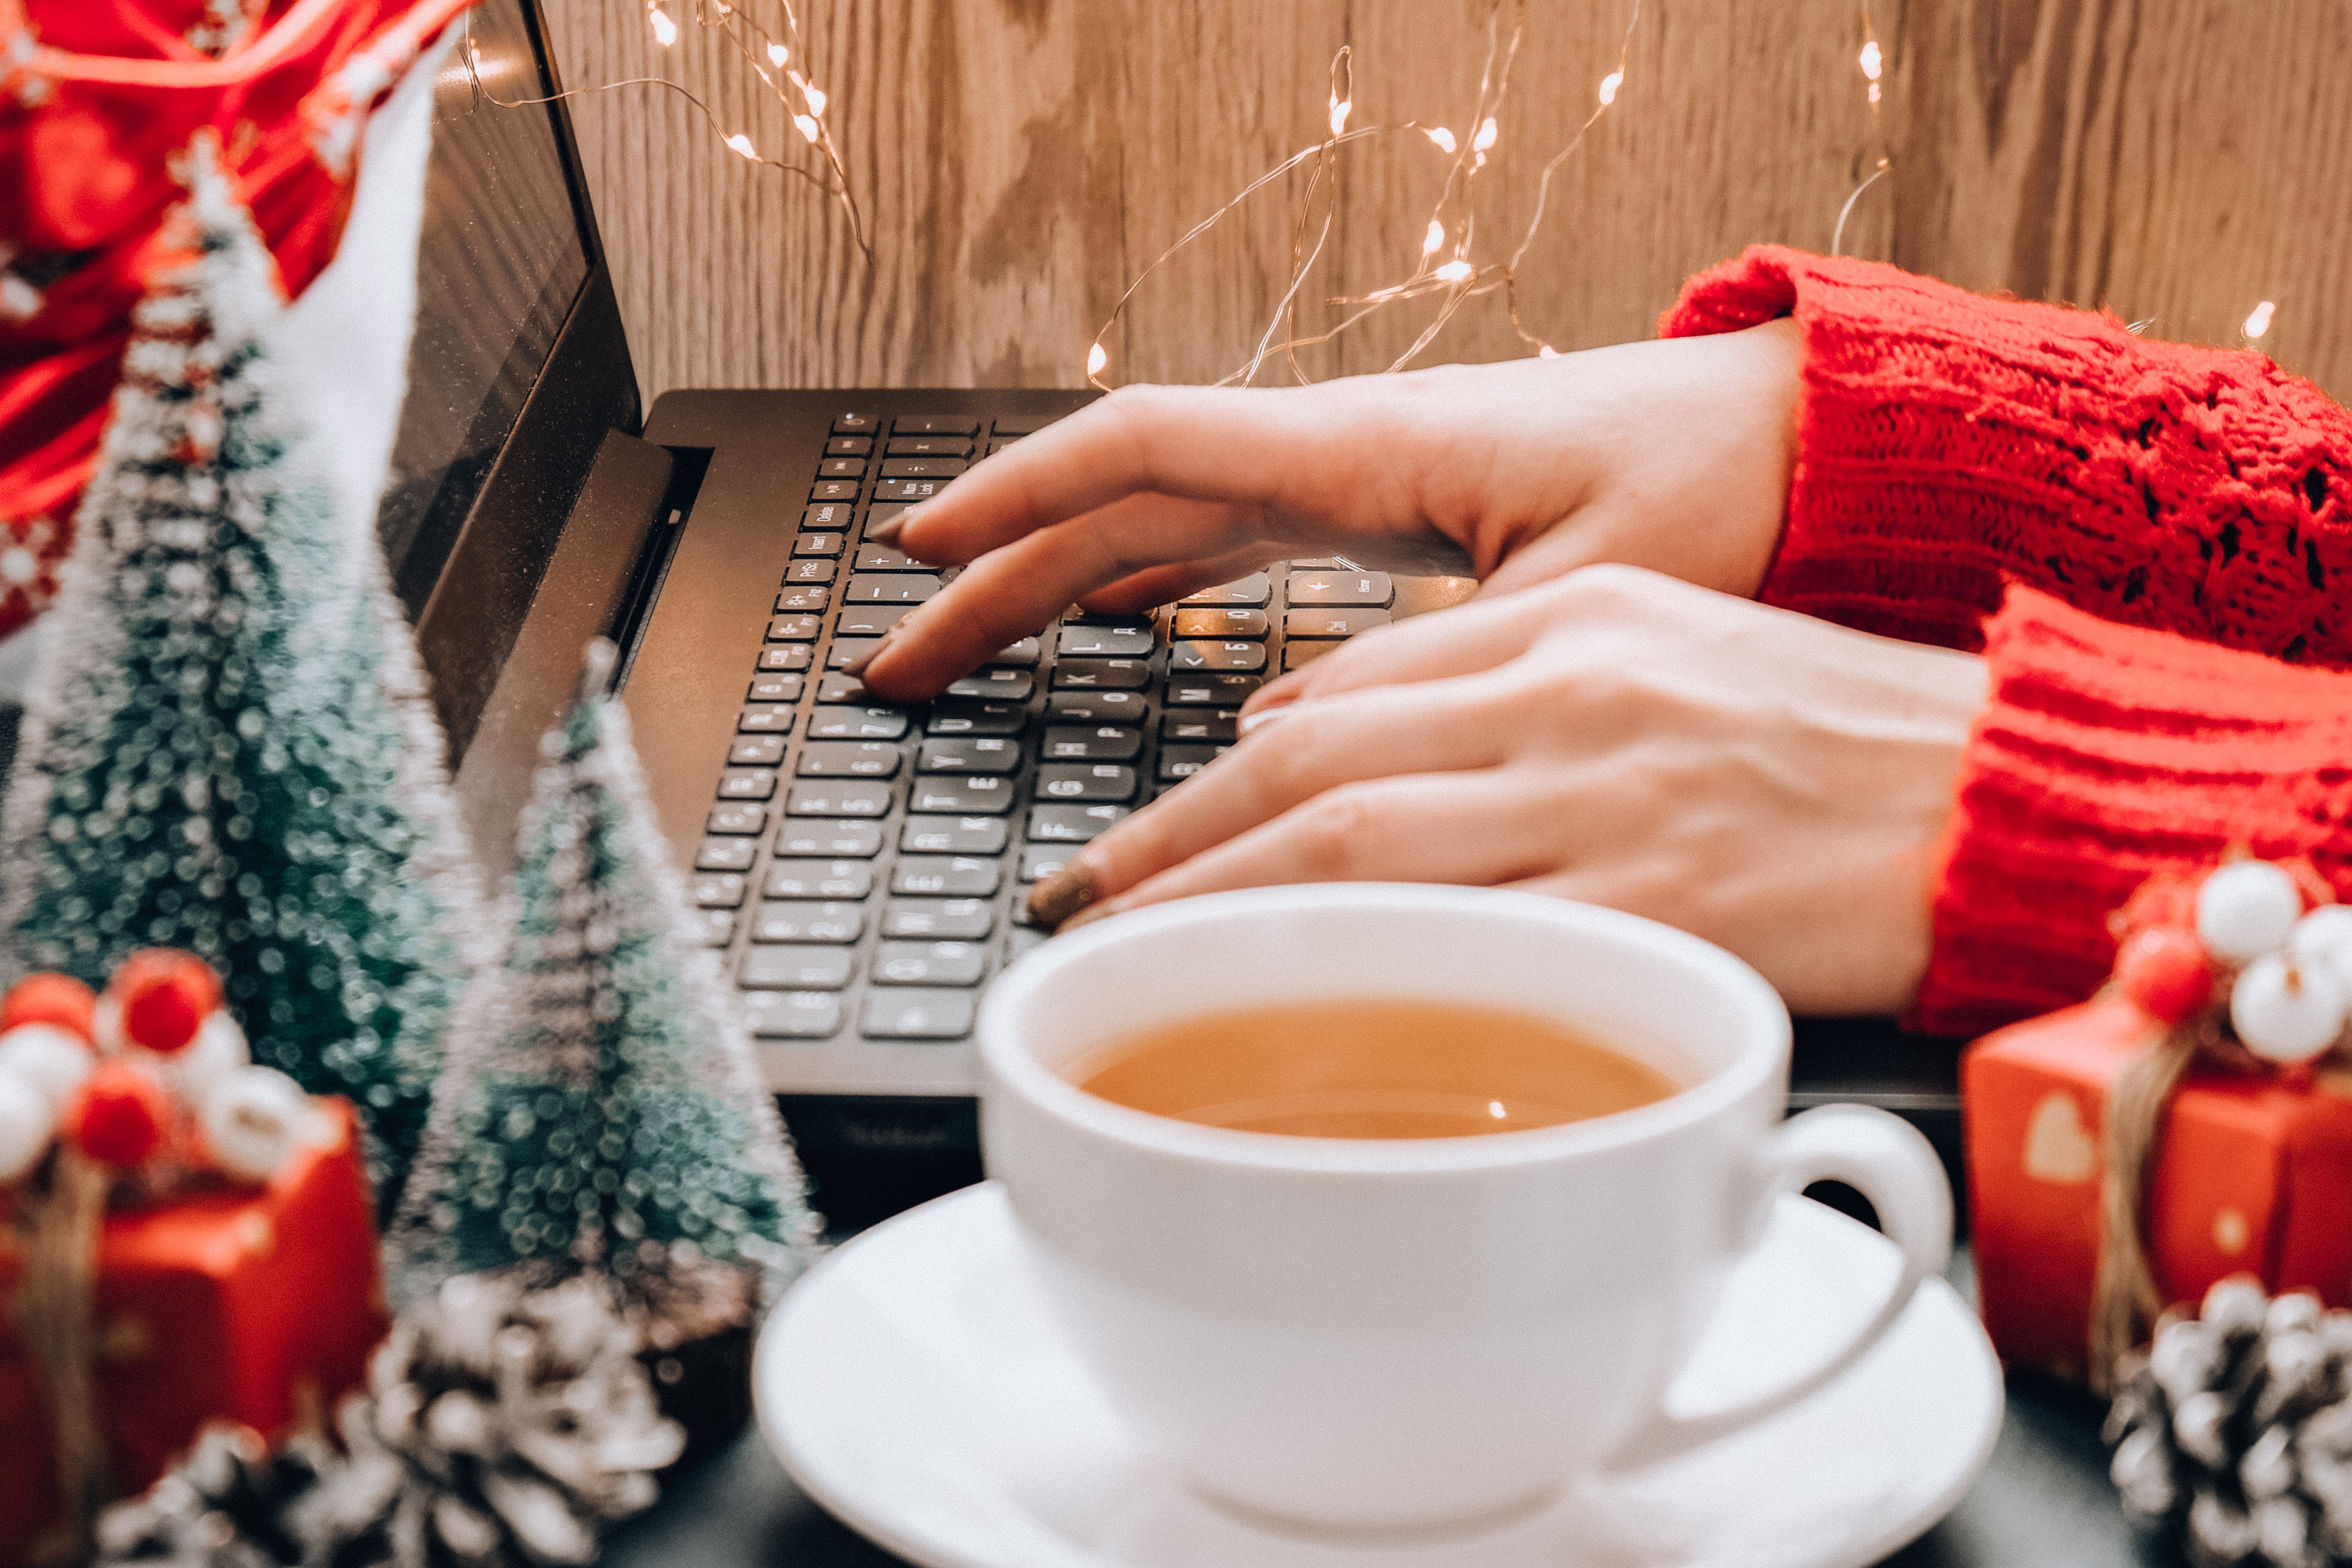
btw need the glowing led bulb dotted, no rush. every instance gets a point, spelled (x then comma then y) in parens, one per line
(778, 54)
(1486, 135)
(1339, 111)
(742, 144)
(2258, 321)
(815, 96)
(1609, 85)
(1433, 239)
(665, 30)
(1442, 136)
(1871, 61)
(805, 126)
(1453, 271)
(1545, 350)
(1096, 359)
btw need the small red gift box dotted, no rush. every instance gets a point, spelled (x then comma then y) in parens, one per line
(2253, 1174)
(255, 1304)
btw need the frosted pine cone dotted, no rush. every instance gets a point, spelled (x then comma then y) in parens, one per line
(231, 1503)
(503, 1426)
(2235, 1428)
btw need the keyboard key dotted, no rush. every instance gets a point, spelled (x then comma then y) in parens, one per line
(794, 628)
(1186, 656)
(1085, 707)
(838, 797)
(996, 685)
(922, 467)
(911, 588)
(847, 724)
(775, 688)
(834, 490)
(961, 796)
(882, 558)
(876, 516)
(715, 928)
(1324, 563)
(905, 1013)
(856, 424)
(815, 836)
(953, 836)
(1022, 423)
(848, 759)
(791, 1015)
(1101, 743)
(718, 890)
(909, 489)
(1127, 641)
(1183, 762)
(756, 751)
(849, 446)
(929, 962)
(1253, 589)
(819, 543)
(944, 919)
(1023, 654)
(1090, 780)
(1223, 725)
(971, 716)
(1299, 655)
(1098, 674)
(817, 570)
(1340, 588)
(1001, 444)
(733, 818)
(929, 447)
(1209, 690)
(727, 854)
(837, 688)
(964, 425)
(801, 921)
(844, 650)
(946, 875)
(969, 754)
(1212, 622)
(1024, 939)
(1039, 861)
(841, 468)
(829, 516)
(1070, 824)
(1342, 622)
(747, 784)
(766, 719)
(870, 620)
(793, 600)
(786, 656)
(801, 966)
(818, 880)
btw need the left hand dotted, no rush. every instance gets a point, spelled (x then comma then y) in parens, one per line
(1767, 781)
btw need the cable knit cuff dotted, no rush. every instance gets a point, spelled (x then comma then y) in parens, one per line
(1950, 444)
(2105, 755)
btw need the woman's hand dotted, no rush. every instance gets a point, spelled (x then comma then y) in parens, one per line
(1769, 782)
(1672, 455)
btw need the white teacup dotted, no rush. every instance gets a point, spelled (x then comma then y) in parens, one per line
(1411, 1333)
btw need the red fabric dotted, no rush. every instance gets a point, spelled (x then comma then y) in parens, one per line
(85, 180)
(2149, 511)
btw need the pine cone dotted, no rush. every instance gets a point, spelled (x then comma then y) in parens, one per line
(2235, 1429)
(503, 1426)
(226, 1505)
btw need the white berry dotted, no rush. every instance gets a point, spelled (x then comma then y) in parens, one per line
(27, 1123)
(51, 1059)
(253, 1120)
(2285, 1013)
(2323, 940)
(219, 1049)
(2247, 909)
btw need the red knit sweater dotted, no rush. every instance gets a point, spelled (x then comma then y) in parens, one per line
(1953, 450)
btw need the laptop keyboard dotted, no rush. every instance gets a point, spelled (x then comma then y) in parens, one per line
(866, 866)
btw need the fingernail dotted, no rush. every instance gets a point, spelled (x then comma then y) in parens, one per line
(1093, 912)
(1062, 895)
(1252, 723)
(887, 530)
(864, 661)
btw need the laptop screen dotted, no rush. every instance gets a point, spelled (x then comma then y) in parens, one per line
(500, 262)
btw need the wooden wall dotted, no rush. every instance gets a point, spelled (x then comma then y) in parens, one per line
(1019, 160)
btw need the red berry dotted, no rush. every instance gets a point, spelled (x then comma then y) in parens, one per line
(120, 1116)
(57, 999)
(2164, 973)
(166, 995)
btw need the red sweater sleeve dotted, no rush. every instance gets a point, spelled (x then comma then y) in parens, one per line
(1948, 445)
(2107, 753)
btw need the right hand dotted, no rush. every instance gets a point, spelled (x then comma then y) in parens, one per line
(1673, 456)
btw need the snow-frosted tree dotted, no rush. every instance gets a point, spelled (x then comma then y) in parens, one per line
(601, 1110)
(226, 745)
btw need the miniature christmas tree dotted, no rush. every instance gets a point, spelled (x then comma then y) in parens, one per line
(601, 1111)
(226, 747)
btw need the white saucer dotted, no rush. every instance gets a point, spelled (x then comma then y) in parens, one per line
(916, 1384)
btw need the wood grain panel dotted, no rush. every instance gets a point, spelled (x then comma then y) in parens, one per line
(1020, 159)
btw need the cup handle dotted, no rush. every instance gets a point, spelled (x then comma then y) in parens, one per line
(1885, 1158)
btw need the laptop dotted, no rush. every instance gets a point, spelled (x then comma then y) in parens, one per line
(860, 867)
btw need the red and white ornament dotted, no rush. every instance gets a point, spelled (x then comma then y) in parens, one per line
(253, 1120)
